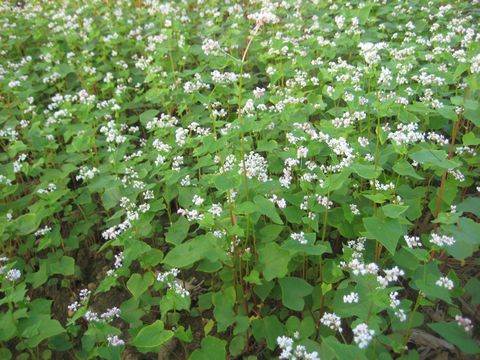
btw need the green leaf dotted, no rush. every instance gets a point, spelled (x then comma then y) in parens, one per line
(456, 335)
(212, 348)
(81, 143)
(293, 291)
(246, 207)
(178, 231)
(148, 115)
(433, 157)
(224, 302)
(237, 344)
(367, 171)
(266, 207)
(334, 349)
(293, 214)
(133, 249)
(137, 284)
(187, 253)
(467, 241)
(269, 232)
(448, 112)
(184, 335)
(404, 168)
(472, 288)
(173, 301)
(65, 266)
(394, 211)
(268, 328)
(424, 279)
(253, 277)
(8, 326)
(63, 69)
(470, 139)
(274, 261)
(226, 181)
(27, 223)
(472, 112)
(386, 231)
(41, 329)
(111, 197)
(377, 198)
(309, 249)
(150, 337)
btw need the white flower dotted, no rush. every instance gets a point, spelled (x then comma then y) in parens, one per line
(332, 321)
(118, 260)
(110, 314)
(445, 282)
(13, 275)
(87, 173)
(254, 165)
(169, 279)
(211, 47)
(354, 209)
(465, 323)
(363, 141)
(258, 92)
(475, 64)
(191, 215)
(340, 21)
(412, 241)
(197, 200)
(43, 231)
(91, 316)
(263, 17)
(302, 152)
(442, 240)
(362, 335)
(215, 210)
(300, 237)
(393, 274)
(282, 204)
(394, 302)
(114, 340)
(286, 345)
(73, 307)
(324, 201)
(84, 295)
(351, 298)
(400, 314)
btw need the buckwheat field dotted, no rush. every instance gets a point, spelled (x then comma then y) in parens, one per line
(228, 179)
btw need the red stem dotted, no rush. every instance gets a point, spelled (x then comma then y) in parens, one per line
(444, 177)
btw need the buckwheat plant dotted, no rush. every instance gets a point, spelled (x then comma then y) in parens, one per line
(194, 179)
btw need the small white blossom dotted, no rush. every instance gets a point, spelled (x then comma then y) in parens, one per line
(114, 340)
(442, 240)
(258, 92)
(215, 210)
(351, 298)
(332, 321)
(13, 275)
(445, 282)
(197, 200)
(362, 335)
(464, 322)
(412, 241)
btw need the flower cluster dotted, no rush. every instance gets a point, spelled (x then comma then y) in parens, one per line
(362, 335)
(169, 278)
(291, 352)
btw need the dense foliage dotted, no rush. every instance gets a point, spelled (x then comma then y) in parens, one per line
(239, 179)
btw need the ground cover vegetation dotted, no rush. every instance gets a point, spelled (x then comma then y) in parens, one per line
(239, 179)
